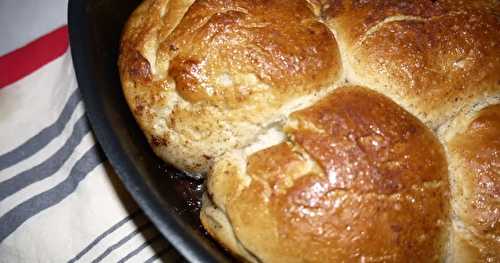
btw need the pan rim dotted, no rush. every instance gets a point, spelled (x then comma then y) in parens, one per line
(164, 218)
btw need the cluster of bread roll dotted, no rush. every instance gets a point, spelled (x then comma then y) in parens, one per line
(328, 130)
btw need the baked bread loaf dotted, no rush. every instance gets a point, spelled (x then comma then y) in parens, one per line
(331, 130)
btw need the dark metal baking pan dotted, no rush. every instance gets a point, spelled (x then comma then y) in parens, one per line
(171, 203)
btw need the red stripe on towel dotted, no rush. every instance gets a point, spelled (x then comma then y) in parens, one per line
(25, 60)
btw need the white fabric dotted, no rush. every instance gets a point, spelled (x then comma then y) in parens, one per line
(60, 232)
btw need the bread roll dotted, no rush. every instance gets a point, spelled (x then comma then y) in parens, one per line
(435, 58)
(475, 159)
(359, 179)
(331, 130)
(213, 77)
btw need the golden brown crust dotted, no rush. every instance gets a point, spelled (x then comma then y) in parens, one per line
(375, 189)
(475, 156)
(362, 133)
(221, 74)
(433, 57)
(277, 41)
(318, 222)
(354, 18)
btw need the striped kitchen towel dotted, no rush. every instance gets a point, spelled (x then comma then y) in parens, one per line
(59, 198)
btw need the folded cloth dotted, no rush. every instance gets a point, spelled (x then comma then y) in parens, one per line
(60, 200)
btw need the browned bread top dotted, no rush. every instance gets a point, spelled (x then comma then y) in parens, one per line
(366, 142)
(433, 57)
(280, 43)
